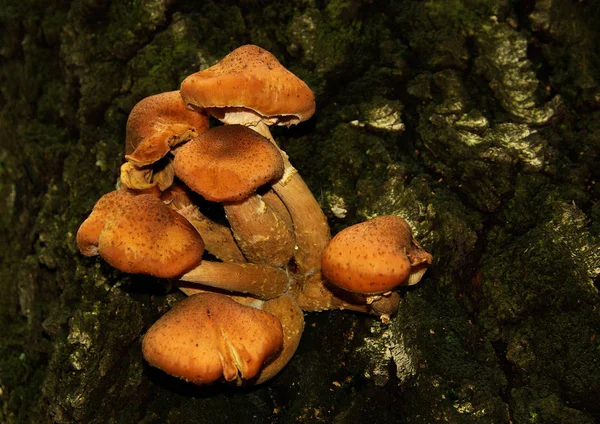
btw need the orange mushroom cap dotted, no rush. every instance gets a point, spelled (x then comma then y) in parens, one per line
(251, 78)
(228, 163)
(140, 235)
(158, 123)
(374, 256)
(208, 336)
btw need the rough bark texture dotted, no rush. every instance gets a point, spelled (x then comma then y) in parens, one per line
(476, 120)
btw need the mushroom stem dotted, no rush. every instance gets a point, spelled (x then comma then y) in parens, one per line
(291, 317)
(272, 199)
(310, 224)
(218, 239)
(315, 296)
(384, 306)
(260, 232)
(262, 281)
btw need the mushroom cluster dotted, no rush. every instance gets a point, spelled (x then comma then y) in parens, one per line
(251, 269)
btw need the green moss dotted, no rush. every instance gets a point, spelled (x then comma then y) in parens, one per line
(539, 299)
(575, 75)
(462, 14)
(457, 371)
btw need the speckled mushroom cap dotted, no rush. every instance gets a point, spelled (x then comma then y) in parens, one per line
(251, 78)
(374, 256)
(140, 235)
(228, 163)
(208, 336)
(158, 123)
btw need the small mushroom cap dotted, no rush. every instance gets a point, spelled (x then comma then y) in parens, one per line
(252, 78)
(208, 336)
(373, 256)
(140, 235)
(228, 163)
(158, 123)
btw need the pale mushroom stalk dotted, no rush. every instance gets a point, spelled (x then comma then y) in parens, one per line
(315, 296)
(274, 201)
(262, 281)
(291, 317)
(311, 229)
(218, 239)
(384, 305)
(260, 232)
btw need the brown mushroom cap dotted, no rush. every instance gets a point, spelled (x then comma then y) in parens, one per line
(373, 256)
(208, 336)
(228, 163)
(140, 234)
(251, 78)
(158, 123)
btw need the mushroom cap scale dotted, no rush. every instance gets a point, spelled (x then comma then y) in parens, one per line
(208, 336)
(373, 256)
(251, 78)
(140, 235)
(228, 163)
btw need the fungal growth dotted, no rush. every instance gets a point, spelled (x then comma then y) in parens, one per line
(208, 336)
(228, 163)
(223, 213)
(157, 125)
(249, 86)
(375, 256)
(140, 234)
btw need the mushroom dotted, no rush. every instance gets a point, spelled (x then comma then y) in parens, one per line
(253, 87)
(156, 125)
(249, 86)
(140, 234)
(375, 256)
(289, 314)
(209, 336)
(227, 164)
(238, 338)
